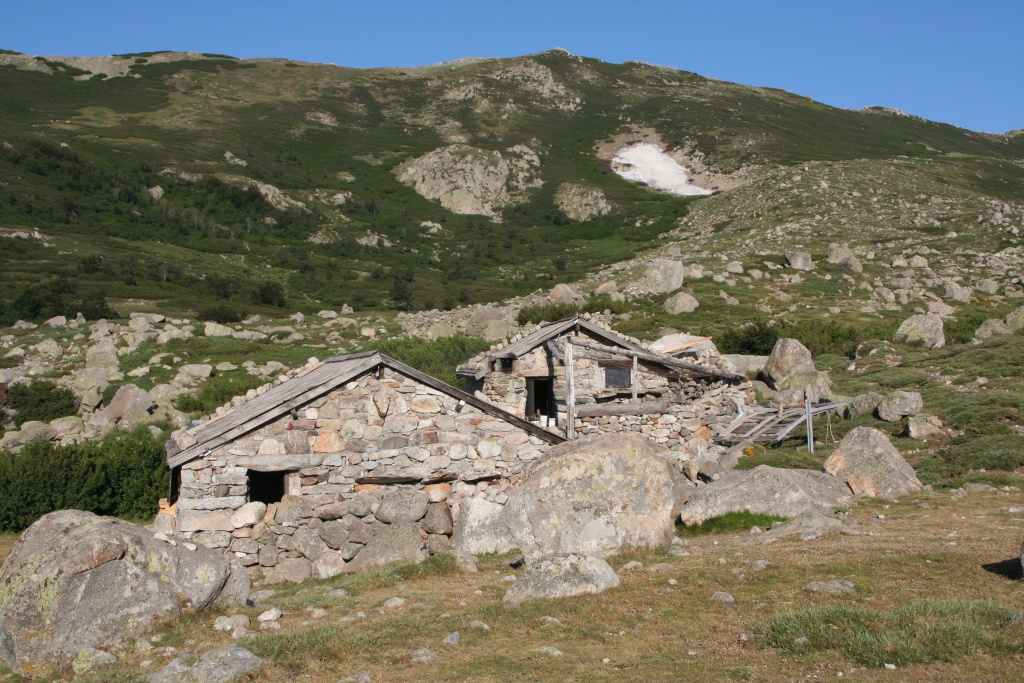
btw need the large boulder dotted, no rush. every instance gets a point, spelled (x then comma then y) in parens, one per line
(871, 466)
(789, 359)
(924, 329)
(561, 576)
(663, 276)
(594, 496)
(481, 528)
(564, 294)
(799, 260)
(862, 404)
(842, 256)
(400, 542)
(681, 302)
(130, 407)
(76, 580)
(768, 491)
(899, 404)
(1015, 320)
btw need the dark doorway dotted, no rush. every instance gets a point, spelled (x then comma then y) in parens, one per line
(266, 487)
(540, 400)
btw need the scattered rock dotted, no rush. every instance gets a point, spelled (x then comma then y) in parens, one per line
(842, 256)
(453, 639)
(422, 655)
(399, 542)
(833, 587)
(681, 302)
(899, 404)
(925, 329)
(548, 650)
(221, 665)
(663, 276)
(766, 490)
(799, 260)
(722, 596)
(871, 466)
(561, 576)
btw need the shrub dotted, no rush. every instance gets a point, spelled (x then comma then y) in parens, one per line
(217, 391)
(759, 337)
(545, 313)
(437, 357)
(220, 313)
(40, 401)
(123, 475)
(269, 294)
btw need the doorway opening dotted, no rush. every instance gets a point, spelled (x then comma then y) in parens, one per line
(540, 401)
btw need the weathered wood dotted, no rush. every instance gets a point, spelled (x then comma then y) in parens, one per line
(689, 343)
(657, 358)
(556, 329)
(385, 479)
(633, 377)
(771, 424)
(570, 393)
(553, 348)
(605, 409)
(441, 478)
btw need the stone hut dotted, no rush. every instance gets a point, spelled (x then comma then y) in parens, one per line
(577, 377)
(346, 465)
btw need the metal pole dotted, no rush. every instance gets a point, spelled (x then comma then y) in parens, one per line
(570, 394)
(810, 424)
(633, 378)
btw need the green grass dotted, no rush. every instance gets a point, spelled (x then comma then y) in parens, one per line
(728, 523)
(918, 633)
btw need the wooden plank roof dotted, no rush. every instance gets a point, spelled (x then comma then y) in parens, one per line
(320, 380)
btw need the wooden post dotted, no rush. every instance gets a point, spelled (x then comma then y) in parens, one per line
(633, 378)
(810, 424)
(570, 394)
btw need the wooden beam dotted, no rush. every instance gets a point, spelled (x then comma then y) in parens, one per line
(689, 343)
(633, 376)
(553, 348)
(604, 409)
(570, 394)
(656, 358)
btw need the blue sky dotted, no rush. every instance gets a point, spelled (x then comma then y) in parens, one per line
(957, 62)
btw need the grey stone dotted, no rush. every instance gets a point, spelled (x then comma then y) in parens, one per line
(77, 581)
(925, 329)
(766, 490)
(808, 525)
(833, 587)
(871, 466)
(422, 655)
(403, 505)
(399, 542)
(788, 360)
(249, 514)
(923, 427)
(292, 510)
(438, 519)
(561, 576)
(334, 533)
(663, 276)
(681, 302)
(899, 404)
(722, 596)
(481, 527)
(564, 294)
(328, 564)
(453, 639)
(594, 496)
(864, 404)
(799, 260)
(293, 569)
(842, 256)
(89, 659)
(221, 665)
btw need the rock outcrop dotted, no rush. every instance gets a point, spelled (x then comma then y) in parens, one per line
(470, 180)
(561, 576)
(899, 404)
(871, 466)
(768, 491)
(663, 276)
(581, 203)
(594, 496)
(76, 581)
(925, 329)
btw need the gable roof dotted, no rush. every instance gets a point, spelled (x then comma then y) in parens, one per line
(312, 384)
(477, 367)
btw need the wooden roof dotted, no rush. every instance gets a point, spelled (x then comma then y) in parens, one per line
(477, 366)
(314, 383)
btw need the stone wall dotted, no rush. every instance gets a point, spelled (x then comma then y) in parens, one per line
(336, 451)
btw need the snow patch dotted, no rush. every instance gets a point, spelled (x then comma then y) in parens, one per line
(649, 164)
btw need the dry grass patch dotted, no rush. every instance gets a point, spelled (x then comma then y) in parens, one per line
(7, 542)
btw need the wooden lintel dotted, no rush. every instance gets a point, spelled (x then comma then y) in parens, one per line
(605, 409)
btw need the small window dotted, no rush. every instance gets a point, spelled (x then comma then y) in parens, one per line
(266, 487)
(618, 378)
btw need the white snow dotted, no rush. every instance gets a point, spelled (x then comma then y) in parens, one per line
(647, 163)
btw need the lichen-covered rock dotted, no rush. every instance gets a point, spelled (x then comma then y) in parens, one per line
(789, 359)
(663, 276)
(864, 404)
(799, 260)
(842, 256)
(871, 466)
(400, 542)
(564, 294)
(923, 426)
(403, 505)
(561, 576)
(925, 329)
(226, 663)
(76, 580)
(768, 491)
(482, 527)
(593, 496)
(899, 404)
(681, 302)
(581, 203)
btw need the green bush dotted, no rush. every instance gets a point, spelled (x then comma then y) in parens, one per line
(41, 400)
(217, 391)
(220, 313)
(123, 475)
(758, 338)
(437, 357)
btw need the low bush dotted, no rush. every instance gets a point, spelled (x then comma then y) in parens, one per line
(970, 453)
(215, 392)
(436, 357)
(123, 475)
(759, 337)
(918, 633)
(41, 400)
(220, 313)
